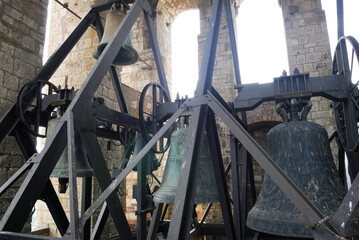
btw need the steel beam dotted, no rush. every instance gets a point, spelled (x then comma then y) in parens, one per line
(141, 193)
(54, 205)
(22, 236)
(74, 231)
(340, 18)
(347, 207)
(35, 181)
(243, 206)
(155, 221)
(48, 195)
(233, 40)
(304, 205)
(134, 161)
(103, 177)
(235, 183)
(185, 194)
(100, 223)
(218, 167)
(332, 87)
(155, 47)
(86, 203)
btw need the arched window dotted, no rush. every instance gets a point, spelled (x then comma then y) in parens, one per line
(262, 47)
(185, 30)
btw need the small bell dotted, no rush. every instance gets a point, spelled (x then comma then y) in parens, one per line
(206, 191)
(61, 170)
(127, 54)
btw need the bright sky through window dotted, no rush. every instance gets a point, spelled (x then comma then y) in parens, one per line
(261, 41)
(261, 45)
(185, 30)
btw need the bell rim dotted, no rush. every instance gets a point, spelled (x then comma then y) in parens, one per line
(102, 46)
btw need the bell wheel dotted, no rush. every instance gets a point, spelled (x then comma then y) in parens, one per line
(29, 104)
(346, 63)
(152, 96)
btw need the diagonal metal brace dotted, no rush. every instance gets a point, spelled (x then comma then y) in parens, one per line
(116, 182)
(299, 199)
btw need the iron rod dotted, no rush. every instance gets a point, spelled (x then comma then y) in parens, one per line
(155, 47)
(304, 205)
(134, 161)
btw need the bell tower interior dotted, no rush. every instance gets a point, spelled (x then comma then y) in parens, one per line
(114, 116)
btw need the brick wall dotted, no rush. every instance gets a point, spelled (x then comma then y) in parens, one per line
(22, 35)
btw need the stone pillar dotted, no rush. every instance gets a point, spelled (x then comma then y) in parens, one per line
(22, 35)
(309, 51)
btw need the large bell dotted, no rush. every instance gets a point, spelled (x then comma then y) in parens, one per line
(61, 170)
(301, 149)
(206, 191)
(127, 54)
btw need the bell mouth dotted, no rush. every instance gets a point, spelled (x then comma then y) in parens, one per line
(126, 56)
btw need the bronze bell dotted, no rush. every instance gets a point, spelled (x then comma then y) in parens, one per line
(152, 163)
(83, 168)
(302, 150)
(127, 54)
(206, 191)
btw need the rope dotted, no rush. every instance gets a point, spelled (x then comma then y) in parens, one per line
(321, 224)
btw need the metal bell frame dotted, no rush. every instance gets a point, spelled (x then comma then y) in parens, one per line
(204, 105)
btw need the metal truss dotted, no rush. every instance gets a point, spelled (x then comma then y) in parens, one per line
(82, 113)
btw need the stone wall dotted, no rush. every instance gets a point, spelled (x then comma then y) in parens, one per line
(74, 70)
(22, 36)
(223, 81)
(143, 72)
(309, 51)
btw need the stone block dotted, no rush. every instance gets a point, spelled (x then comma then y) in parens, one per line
(29, 43)
(11, 82)
(315, 19)
(23, 69)
(31, 58)
(308, 67)
(301, 59)
(6, 62)
(298, 23)
(9, 20)
(317, 37)
(303, 39)
(313, 57)
(13, 13)
(17, 4)
(12, 95)
(30, 23)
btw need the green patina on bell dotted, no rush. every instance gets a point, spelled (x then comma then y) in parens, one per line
(61, 170)
(206, 191)
(127, 54)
